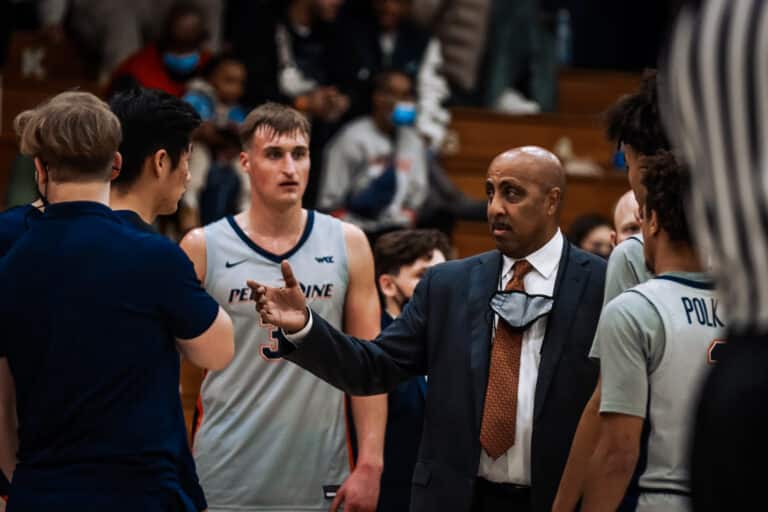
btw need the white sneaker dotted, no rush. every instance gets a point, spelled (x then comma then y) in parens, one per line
(512, 102)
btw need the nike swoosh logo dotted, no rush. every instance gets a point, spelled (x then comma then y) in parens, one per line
(230, 265)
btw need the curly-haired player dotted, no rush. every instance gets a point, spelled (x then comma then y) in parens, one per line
(656, 342)
(634, 124)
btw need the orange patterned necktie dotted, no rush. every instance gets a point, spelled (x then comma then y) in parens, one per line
(497, 432)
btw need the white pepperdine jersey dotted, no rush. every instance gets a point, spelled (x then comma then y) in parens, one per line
(272, 435)
(693, 332)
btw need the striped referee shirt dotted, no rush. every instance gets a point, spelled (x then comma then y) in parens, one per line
(716, 95)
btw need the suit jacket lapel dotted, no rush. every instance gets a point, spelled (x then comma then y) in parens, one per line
(483, 282)
(572, 275)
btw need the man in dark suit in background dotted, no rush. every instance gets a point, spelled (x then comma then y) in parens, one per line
(402, 258)
(484, 448)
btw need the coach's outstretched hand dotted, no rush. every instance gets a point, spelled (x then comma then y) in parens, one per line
(284, 307)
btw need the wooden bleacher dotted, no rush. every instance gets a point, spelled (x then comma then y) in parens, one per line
(592, 92)
(481, 135)
(35, 70)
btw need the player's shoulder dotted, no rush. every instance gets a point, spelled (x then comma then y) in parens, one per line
(352, 233)
(633, 303)
(629, 253)
(198, 238)
(194, 240)
(631, 248)
(359, 253)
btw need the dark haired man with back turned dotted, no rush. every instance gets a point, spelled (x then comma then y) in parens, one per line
(157, 130)
(634, 124)
(656, 343)
(92, 336)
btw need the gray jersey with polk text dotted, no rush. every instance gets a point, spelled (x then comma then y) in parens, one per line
(656, 343)
(272, 435)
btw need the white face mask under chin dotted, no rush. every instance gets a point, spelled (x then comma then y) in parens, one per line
(518, 309)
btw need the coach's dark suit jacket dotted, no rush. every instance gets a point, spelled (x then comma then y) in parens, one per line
(446, 332)
(405, 419)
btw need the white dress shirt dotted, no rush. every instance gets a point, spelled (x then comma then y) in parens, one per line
(515, 465)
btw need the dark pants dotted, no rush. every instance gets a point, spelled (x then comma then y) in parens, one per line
(728, 470)
(492, 497)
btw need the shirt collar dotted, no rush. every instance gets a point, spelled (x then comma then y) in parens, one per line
(544, 260)
(77, 209)
(135, 220)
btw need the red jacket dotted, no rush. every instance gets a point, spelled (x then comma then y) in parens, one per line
(147, 68)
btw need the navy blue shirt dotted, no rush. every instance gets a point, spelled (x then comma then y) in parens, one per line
(91, 308)
(188, 475)
(134, 219)
(14, 223)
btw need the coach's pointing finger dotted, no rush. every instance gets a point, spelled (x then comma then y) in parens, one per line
(285, 307)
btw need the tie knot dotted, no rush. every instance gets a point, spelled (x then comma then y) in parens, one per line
(519, 271)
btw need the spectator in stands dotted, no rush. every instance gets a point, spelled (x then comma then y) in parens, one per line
(290, 49)
(375, 169)
(217, 186)
(626, 220)
(592, 233)
(462, 37)
(401, 258)
(115, 30)
(286, 47)
(170, 62)
(216, 95)
(387, 39)
(521, 51)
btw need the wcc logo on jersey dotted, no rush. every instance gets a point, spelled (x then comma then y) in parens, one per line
(311, 292)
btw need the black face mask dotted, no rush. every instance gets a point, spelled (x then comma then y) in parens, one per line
(43, 195)
(519, 309)
(402, 301)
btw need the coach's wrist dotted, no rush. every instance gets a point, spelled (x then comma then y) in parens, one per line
(298, 336)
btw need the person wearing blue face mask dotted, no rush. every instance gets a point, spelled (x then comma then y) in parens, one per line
(380, 174)
(171, 62)
(375, 169)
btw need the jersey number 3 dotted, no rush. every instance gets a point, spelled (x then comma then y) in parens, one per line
(269, 351)
(715, 352)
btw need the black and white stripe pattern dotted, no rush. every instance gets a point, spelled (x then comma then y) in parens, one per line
(716, 99)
